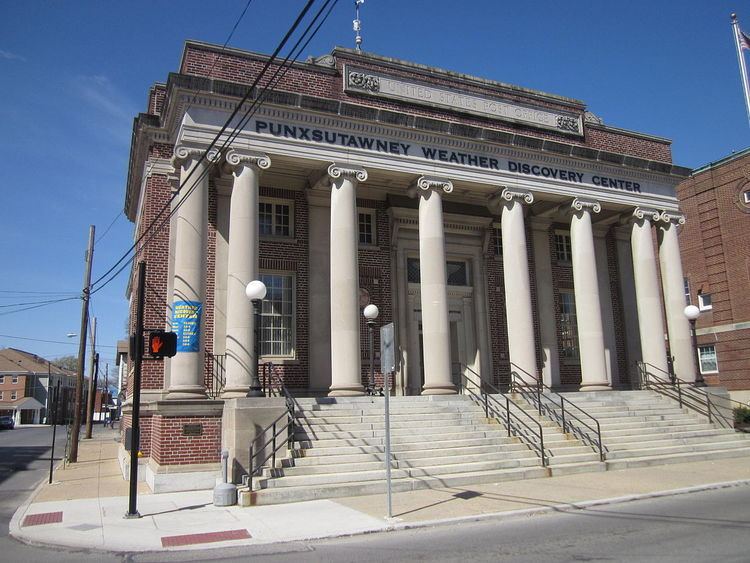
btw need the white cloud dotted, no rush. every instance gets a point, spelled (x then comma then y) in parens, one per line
(7, 55)
(108, 108)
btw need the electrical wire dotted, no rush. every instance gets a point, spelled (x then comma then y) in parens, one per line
(285, 65)
(210, 147)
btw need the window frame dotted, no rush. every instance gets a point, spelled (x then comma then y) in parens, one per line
(372, 213)
(467, 262)
(14, 379)
(274, 202)
(715, 359)
(281, 358)
(746, 197)
(702, 306)
(497, 240)
(1, 395)
(567, 257)
(576, 359)
(2, 379)
(14, 395)
(686, 289)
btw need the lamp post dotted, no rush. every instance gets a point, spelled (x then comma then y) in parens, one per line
(256, 292)
(371, 313)
(692, 313)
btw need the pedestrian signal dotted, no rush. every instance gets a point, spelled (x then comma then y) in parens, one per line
(162, 344)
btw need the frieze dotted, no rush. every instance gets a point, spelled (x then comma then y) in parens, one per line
(398, 88)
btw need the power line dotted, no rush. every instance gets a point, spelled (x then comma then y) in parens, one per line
(203, 157)
(119, 214)
(51, 341)
(43, 304)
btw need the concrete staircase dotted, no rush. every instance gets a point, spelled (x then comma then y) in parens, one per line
(437, 441)
(642, 428)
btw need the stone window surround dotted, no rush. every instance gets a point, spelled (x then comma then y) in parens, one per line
(284, 358)
(708, 357)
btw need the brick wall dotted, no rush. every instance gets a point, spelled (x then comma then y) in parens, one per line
(715, 249)
(171, 447)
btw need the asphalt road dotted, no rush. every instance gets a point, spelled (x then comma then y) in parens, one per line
(24, 463)
(705, 526)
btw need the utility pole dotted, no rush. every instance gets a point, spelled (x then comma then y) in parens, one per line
(92, 381)
(76, 430)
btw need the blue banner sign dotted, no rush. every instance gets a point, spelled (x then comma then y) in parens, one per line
(186, 322)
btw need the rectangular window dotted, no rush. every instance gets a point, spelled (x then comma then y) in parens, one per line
(457, 272)
(367, 227)
(1, 395)
(497, 241)
(704, 302)
(2, 379)
(14, 379)
(274, 218)
(563, 247)
(686, 283)
(707, 356)
(568, 326)
(13, 395)
(277, 316)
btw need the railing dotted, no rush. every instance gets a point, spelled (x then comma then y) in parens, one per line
(686, 393)
(216, 377)
(276, 428)
(528, 431)
(587, 431)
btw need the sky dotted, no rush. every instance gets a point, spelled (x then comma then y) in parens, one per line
(74, 74)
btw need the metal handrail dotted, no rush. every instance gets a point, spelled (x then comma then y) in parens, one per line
(514, 424)
(686, 393)
(275, 428)
(533, 394)
(215, 365)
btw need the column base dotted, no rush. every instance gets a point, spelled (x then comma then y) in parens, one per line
(596, 386)
(186, 392)
(234, 392)
(447, 389)
(346, 391)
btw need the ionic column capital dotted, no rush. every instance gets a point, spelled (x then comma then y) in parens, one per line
(183, 153)
(509, 195)
(645, 213)
(588, 205)
(672, 217)
(351, 172)
(425, 184)
(238, 159)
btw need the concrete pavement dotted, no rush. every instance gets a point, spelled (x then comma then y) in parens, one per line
(84, 506)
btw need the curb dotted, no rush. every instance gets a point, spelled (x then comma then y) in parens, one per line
(15, 529)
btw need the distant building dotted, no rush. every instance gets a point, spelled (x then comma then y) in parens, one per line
(27, 384)
(715, 247)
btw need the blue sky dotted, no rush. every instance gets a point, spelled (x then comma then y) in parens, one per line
(74, 74)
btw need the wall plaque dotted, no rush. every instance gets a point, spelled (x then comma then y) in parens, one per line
(384, 86)
(192, 429)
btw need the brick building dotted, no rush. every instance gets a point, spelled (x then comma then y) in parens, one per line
(715, 247)
(505, 232)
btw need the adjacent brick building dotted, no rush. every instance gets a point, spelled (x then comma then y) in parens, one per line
(507, 233)
(715, 247)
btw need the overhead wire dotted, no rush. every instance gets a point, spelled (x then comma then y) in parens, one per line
(204, 154)
(260, 98)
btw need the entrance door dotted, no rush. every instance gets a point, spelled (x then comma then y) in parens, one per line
(458, 349)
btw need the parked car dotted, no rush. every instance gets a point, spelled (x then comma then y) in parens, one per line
(7, 423)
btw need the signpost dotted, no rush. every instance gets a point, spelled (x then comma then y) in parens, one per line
(387, 366)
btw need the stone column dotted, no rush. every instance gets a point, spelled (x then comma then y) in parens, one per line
(242, 268)
(648, 295)
(680, 343)
(433, 290)
(588, 306)
(521, 341)
(191, 224)
(545, 298)
(346, 377)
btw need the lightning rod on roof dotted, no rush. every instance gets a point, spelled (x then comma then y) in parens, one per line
(358, 25)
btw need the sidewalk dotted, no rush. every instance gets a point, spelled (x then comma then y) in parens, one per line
(84, 506)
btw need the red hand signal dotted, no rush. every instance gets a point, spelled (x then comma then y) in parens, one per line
(156, 344)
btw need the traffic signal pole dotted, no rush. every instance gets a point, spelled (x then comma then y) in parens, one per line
(135, 426)
(76, 429)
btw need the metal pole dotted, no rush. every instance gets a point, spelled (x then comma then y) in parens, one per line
(54, 429)
(255, 388)
(135, 428)
(92, 382)
(743, 66)
(387, 386)
(76, 430)
(370, 324)
(699, 381)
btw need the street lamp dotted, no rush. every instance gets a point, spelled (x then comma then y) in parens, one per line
(692, 313)
(371, 313)
(256, 292)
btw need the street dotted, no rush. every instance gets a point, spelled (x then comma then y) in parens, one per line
(24, 462)
(704, 526)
